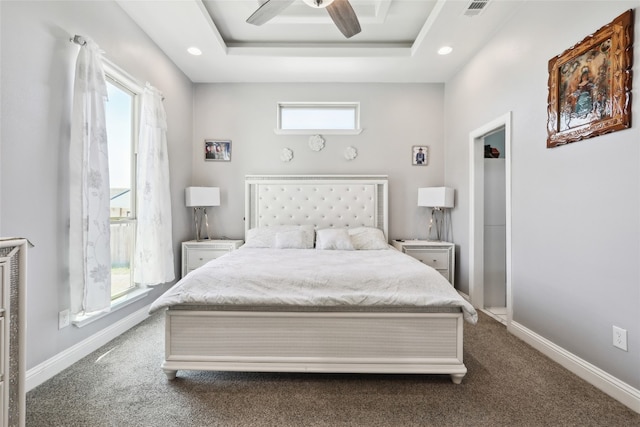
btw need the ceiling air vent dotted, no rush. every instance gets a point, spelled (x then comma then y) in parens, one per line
(475, 7)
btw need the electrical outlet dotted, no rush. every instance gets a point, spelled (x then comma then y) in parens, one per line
(620, 338)
(63, 319)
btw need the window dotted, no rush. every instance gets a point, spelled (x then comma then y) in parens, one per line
(319, 117)
(121, 118)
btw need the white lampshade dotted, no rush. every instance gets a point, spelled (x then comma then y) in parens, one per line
(202, 196)
(435, 197)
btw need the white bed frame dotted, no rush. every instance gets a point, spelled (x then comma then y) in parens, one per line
(305, 341)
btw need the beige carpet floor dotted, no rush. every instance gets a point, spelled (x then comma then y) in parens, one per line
(508, 384)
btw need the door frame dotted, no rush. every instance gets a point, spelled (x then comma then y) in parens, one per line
(476, 210)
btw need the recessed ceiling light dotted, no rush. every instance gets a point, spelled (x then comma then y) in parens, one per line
(445, 50)
(194, 51)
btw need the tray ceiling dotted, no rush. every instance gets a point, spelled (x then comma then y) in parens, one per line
(398, 42)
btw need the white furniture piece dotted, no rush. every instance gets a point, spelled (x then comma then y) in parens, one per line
(199, 198)
(197, 253)
(439, 255)
(440, 200)
(272, 339)
(13, 268)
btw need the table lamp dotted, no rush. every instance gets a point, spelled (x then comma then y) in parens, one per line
(199, 198)
(439, 199)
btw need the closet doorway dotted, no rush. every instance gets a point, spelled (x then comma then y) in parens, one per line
(490, 218)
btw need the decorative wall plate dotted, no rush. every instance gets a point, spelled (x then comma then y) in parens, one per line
(350, 153)
(316, 142)
(286, 154)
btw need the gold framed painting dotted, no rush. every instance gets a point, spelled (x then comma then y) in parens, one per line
(590, 85)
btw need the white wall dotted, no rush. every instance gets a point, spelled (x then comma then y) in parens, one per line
(37, 69)
(575, 209)
(394, 118)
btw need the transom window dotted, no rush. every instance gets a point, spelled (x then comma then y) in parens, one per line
(318, 117)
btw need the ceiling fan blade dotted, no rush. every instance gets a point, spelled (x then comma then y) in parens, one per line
(344, 17)
(268, 10)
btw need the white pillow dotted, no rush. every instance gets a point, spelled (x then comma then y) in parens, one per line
(368, 238)
(265, 237)
(333, 238)
(293, 239)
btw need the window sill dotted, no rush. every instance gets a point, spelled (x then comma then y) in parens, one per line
(317, 131)
(116, 304)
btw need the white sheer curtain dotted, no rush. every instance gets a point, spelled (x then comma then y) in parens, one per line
(89, 235)
(153, 263)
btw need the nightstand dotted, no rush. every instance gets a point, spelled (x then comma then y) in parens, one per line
(439, 255)
(196, 254)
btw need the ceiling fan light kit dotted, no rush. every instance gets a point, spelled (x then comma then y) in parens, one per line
(318, 4)
(340, 11)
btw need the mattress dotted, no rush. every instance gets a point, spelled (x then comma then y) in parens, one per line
(315, 280)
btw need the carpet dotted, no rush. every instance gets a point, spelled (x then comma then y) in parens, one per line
(508, 384)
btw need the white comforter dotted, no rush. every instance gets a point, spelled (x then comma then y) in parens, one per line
(310, 277)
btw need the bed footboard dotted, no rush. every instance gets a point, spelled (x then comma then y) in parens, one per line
(337, 342)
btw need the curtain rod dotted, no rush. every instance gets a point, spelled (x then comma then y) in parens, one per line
(80, 40)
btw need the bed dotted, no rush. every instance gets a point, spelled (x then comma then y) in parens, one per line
(343, 305)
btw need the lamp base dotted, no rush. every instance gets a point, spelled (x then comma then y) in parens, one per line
(200, 214)
(440, 225)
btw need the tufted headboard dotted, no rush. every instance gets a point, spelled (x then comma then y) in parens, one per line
(324, 201)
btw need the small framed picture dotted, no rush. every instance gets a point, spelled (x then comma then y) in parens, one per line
(216, 150)
(420, 155)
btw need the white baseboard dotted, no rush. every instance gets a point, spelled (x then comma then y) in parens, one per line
(607, 383)
(61, 361)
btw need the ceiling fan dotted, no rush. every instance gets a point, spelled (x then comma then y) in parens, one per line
(340, 12)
